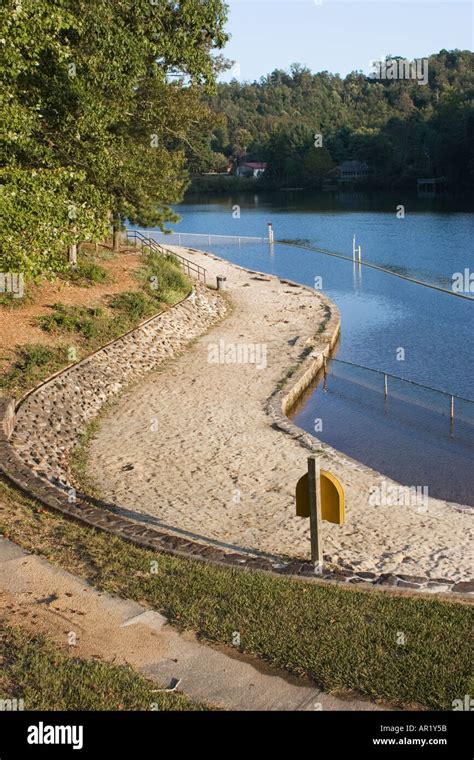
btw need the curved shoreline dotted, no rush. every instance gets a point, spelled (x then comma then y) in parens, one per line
(202, 430)
(301, 378)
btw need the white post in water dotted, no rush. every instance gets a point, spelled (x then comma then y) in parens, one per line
(360, 255)
(354, 248)
(270, 233)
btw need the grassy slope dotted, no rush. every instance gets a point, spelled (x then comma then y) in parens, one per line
(343, 639)
(34, 670)
(82, 330)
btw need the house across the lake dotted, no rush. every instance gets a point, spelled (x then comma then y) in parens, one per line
(432, 185)
(353, 171)
(253, 169)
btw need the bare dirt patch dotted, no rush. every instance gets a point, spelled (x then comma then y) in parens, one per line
(18, 324)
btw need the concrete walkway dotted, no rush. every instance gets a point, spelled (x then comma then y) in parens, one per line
(96, 625)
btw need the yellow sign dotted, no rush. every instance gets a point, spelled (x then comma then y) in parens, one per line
(302, 497)
(331, 498)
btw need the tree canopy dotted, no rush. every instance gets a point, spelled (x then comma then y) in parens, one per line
(101, 107)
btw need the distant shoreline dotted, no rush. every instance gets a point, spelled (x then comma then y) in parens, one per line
(223, 184)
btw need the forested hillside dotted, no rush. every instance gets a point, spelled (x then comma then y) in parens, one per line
(403, 129)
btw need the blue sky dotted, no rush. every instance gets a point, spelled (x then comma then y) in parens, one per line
(340, 36)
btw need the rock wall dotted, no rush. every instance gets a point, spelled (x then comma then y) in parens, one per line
(51, 420)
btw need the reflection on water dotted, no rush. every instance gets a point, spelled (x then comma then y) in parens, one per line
(379, 313)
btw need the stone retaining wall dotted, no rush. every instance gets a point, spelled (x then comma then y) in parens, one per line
(37, 438)
(51, 420)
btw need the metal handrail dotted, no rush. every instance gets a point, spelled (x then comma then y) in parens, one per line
(377, 267)
(386, 375)
(403, 379)
(189, 267)
(209, 238)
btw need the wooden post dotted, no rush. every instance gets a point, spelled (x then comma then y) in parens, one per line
(314, 511)
(270, 233)
(452, 409)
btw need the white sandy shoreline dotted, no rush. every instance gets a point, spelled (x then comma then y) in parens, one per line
(215, 466)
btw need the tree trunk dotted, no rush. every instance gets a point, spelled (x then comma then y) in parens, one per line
(117, 232)
(73, 252)
(73, 255)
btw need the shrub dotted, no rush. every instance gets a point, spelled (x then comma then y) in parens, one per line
(87, 273)
(163, 276)
(133, 305)
(72, 319)
(34, 362)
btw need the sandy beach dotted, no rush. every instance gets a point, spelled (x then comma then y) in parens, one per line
(192, 448)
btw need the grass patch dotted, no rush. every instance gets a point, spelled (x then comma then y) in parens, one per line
(342, 639)
(86, 329)
(9, 301)
(34, 362)
(133, 305)
(162, 278)
(46, 679)
(86, 321)
(86, 274)
(162, 283)
(325, 320)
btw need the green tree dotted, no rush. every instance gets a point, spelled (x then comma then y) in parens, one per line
(110, 90)
(42, 213)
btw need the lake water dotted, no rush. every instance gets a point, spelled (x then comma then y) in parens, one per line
(387, 323)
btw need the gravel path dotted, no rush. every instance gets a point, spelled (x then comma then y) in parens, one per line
(192, 448)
